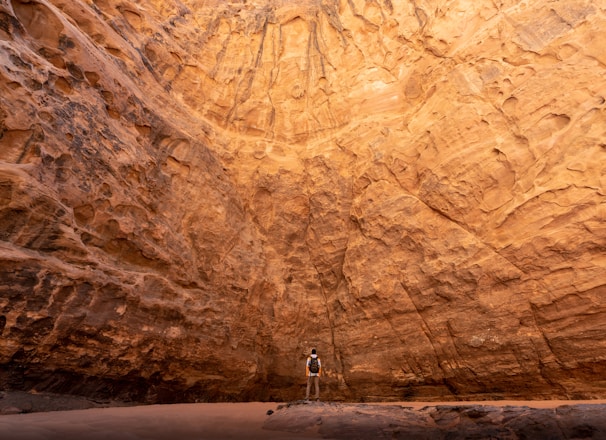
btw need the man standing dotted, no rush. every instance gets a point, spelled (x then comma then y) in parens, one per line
(313, 368)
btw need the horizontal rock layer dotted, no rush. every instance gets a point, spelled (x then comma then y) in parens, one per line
(195, 193)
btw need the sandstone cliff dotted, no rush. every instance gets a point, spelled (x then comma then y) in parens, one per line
(193, 193)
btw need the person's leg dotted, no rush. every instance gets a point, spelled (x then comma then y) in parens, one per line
(317, 386)
(308, 387)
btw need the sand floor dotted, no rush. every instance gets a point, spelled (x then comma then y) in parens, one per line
(200, 421)
(156, 422)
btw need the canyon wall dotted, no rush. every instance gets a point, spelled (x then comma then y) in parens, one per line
(194, 193)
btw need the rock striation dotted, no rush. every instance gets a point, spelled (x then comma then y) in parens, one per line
(193, 193)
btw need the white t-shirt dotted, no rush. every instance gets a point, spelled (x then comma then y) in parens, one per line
(309, 363)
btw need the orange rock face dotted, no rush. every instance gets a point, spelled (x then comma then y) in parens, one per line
(194, 193)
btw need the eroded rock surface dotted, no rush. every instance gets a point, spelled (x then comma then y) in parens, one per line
(195, 193)
(361, 422)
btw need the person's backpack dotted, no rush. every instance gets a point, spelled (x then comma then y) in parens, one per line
(314, 365)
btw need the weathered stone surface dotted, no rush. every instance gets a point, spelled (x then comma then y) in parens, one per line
(366, 421)
(194, 193)
(21, 402)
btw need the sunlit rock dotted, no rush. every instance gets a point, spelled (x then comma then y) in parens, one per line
(195, 193)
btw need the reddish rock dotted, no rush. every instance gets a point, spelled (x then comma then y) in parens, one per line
(366, 421)
(193, 194)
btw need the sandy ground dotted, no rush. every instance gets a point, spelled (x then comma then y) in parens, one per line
(205, 421)
(156, 422)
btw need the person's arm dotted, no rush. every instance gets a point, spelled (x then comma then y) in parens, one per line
(307, 368)
(319, 367)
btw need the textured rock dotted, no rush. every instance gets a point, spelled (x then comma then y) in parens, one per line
(195, 193)
(364, 421)
(20, 402)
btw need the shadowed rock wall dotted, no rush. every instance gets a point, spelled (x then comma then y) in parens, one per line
(195, 193)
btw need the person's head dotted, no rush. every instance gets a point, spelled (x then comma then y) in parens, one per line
(313, 351)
